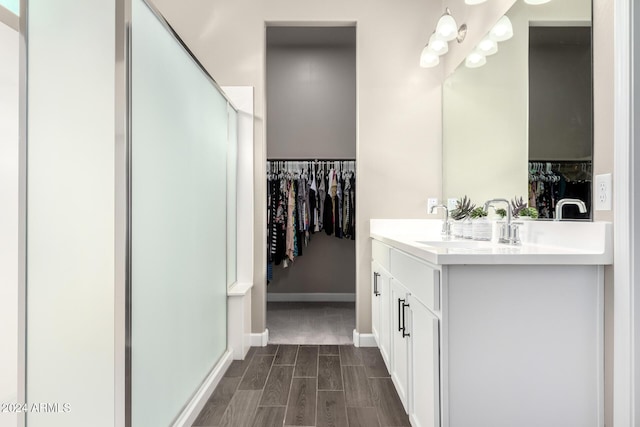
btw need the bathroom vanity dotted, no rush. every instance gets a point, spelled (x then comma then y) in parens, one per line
(484, 334)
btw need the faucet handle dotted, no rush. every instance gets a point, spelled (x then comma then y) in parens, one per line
(446, 227)
(515, 234)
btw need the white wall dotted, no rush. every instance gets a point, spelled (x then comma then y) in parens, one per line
(398, 104)
(70, 242)
(9, 68)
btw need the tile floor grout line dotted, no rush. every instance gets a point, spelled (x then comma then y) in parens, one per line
(374, 403)
(284, 421)
(342, 377)
(317, 382)
(255, 410)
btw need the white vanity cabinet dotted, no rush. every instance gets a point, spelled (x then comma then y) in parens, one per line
(409, 330)
(480, 344)
(399, 342)
(424, 364)
(380, 303)
(381, 300)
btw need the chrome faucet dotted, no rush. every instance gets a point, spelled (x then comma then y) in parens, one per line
(564, 202)
(509, 232)
(446, 226)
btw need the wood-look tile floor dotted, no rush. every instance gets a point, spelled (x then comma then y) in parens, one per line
(306, 385)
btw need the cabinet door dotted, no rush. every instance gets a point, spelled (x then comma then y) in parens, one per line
(424, 365)
(375, 301)
(399, 342)
(385, 330)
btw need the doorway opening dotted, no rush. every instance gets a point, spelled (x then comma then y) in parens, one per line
(311, 184)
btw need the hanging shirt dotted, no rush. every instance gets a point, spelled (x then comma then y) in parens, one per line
(322, 194)
(291, 205)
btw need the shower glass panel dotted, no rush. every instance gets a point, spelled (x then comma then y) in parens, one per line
(9, 184)
(232, 199)
(179, 140)
(11, 5)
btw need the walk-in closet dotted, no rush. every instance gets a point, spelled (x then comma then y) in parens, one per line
(311, 184)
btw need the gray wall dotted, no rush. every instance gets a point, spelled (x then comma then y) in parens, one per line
(311, 113)
(560, 94)
(327, 265)
(311, 92)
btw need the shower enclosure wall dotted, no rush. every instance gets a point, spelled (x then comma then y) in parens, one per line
(131, 154)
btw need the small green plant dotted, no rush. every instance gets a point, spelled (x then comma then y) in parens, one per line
(529, 212)
(478, 213)
(501, 212)
(463, 209)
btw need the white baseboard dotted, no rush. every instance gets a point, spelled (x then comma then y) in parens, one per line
(363, 340)
(260, 339)
(193, 408)
(277, 297)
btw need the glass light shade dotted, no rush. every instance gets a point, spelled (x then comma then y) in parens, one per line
(474, 1)
(503, 30)
(447, 29)
(429, 58)
(488, 46)
(437, 45)
(475, 59)
(536, 2)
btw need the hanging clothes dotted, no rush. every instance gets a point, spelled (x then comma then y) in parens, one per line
(328, 219)
(550, 182)
(291, 222)
(304, 198)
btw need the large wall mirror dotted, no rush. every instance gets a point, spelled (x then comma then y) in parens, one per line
(521, 125)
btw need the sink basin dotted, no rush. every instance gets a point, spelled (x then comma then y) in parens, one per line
(453, 243)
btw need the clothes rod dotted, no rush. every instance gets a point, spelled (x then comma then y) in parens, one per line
(561, 161)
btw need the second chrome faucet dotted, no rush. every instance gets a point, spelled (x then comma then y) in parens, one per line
(509, 232)
(446, 226)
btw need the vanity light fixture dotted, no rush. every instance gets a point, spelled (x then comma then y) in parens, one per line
(475, 60)
(502, 31)
(446, 30)
(488, 46)
(429, 58)
(437, 45)
(447, 27)
(536, 2)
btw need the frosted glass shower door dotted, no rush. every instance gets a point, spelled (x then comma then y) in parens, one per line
(232, 198)
(178, 223)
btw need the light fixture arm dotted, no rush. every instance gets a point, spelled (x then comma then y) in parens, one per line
(446, 30)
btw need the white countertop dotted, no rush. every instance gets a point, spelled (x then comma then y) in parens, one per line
(543, 242)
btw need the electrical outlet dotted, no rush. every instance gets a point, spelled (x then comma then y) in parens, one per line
(431, 202)
(451, 204)
(604, 199)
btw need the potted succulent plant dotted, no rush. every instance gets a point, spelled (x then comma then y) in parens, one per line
(481, 228)
(519, 209)
(501, 213)
(478, 213)
(530, 213)
(461, 217)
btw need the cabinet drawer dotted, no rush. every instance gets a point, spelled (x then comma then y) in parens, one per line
(422, 280)
(380, 253)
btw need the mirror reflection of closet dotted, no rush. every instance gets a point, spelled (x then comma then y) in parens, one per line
(522, 125)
